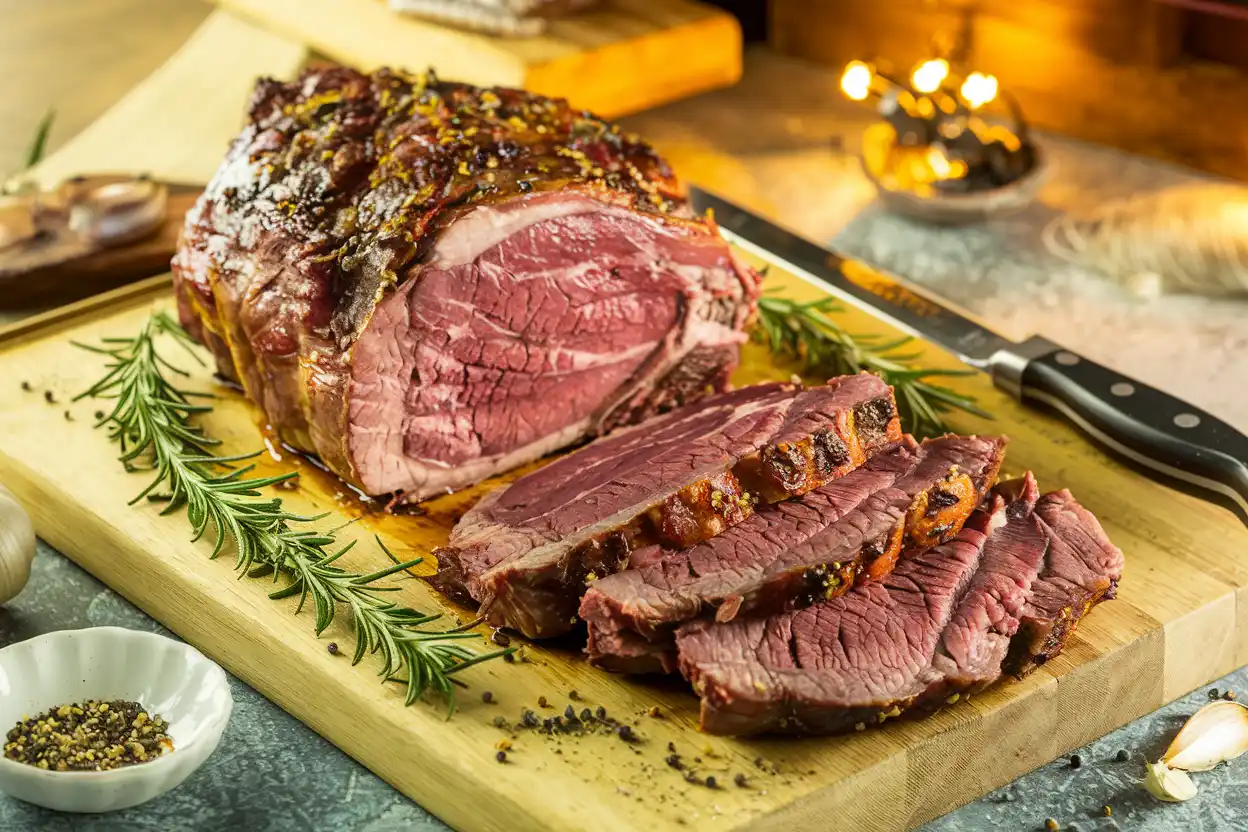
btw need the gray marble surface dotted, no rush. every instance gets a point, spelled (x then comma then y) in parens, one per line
(273, 773)
(269, 774)
(1188, 346)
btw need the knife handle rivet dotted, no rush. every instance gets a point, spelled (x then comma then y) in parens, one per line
(1123, 389)
(1187, 420)
(1067, 359)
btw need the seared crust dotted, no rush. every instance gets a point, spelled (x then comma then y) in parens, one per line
(935, 516)
(543, 601)
(337, 186)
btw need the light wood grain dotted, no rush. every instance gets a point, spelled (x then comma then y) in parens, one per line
(624, 56)
(78, 58)
(1176, 625)
(177, 123)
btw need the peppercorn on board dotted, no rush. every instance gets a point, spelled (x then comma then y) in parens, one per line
(1184, 586)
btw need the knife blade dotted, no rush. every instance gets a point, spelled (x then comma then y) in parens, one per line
(1145, 427)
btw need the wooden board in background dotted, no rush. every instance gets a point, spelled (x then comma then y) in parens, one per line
(1173, 628)
(621, 57)
(177, 123)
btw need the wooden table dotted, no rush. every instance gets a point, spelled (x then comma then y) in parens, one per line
(79, 56)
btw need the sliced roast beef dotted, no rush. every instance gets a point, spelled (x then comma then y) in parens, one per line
(426, 283)
(973, 645)
(793, 553)
(1081, 569)
(937, 628)
(526, 551)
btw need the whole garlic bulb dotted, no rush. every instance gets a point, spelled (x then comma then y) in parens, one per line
(17, 546)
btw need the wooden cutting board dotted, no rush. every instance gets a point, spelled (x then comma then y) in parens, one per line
(619, 57)
(1174, 627)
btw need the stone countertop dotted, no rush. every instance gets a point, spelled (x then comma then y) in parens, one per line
(272, 773)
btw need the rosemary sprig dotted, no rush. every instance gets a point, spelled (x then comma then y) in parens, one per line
(17, 182)
(806, 333)
(152, 421)
(40, 143)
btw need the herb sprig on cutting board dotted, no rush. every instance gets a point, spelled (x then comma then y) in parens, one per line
(153, 421)
(806, 332)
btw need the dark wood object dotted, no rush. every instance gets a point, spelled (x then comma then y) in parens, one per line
(101, 269)
(1165, 78)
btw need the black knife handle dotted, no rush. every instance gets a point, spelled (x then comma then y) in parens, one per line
(1143, 425)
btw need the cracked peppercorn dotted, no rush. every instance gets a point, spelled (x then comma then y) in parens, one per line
(89, 736)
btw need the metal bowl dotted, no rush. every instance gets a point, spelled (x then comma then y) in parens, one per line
(965, 209)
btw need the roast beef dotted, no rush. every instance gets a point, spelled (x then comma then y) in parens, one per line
(525, 552)
(939, 627)
(1081, 568)
(794, 553)
(425, 283)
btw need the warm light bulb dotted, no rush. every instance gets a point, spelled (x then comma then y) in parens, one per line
(928, 75)
(939, 163)
(856, 82)
(978, 89)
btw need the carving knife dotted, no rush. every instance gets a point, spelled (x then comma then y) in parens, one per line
(1142, 425)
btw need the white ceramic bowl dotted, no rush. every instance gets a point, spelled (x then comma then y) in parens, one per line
(168, 677)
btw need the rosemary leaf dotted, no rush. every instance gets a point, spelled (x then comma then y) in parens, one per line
(151, 422)
(40, 143)
(806, 333)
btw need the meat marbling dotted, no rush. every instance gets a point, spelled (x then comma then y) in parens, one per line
(937, 628)
(526, 551)
(1081, 568)
(426, 283)
(794, 553)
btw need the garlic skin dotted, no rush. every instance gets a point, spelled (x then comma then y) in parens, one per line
(1170, 785)
(1216, 733)
(17, 546)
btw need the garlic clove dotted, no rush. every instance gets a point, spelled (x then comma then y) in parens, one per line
(17, 546)
(1216, 733)
(114, 213)
(1168, 784)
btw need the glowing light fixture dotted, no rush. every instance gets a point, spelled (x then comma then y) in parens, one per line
(939, 163)
(928, 75)
(978, 89)
(856, 81)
